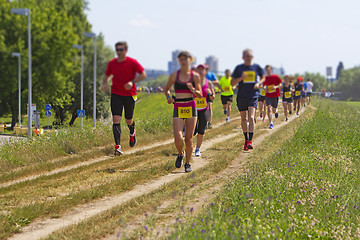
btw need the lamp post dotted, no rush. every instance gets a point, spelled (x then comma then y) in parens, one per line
(82, 81)
(93, 36)
(19, 77)
(26, 12)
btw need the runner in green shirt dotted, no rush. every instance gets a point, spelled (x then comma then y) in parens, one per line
(226, 93)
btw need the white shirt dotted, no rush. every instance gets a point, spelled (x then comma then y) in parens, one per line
(309, 86)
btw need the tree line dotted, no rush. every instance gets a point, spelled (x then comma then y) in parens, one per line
(56, 25)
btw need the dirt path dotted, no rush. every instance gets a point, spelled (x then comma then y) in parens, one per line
(198, 203)
(96, 160)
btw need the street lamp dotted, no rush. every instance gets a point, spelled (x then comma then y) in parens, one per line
(26, 11)
(82, 80)
(19, 76)
(93, 36)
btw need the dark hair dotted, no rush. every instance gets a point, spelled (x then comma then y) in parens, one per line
(122, 43)
(227, 70)
(268, 66)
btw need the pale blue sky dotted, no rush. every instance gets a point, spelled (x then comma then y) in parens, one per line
(300, 35)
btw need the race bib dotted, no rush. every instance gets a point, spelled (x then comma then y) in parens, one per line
(271, 89)
(297, 93)
(200, 102)
(135, 97)
(227, 89)
(185, 112)
(250, 77)
(262, 92)
(287, 94)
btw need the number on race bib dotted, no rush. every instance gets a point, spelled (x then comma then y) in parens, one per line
(250, 77)
(200, 103)
(185, 112)
(287, 94)
(297, 93)
(227, 89)
(262, 92)
(271, 89)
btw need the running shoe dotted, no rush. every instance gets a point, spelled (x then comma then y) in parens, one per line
(297, 113)
(179, 160)
(294, 109)
(260, 115)
(246, 145)
(209, 125)
(118, 151)
(225, 112)
(250, 146)
(132, 140)
(187, 167)
(276, 115)
(227, 119)
(271, 126)
(290, 112)
(255, 120)
(197, 152)
(264, 120)
(287, 119)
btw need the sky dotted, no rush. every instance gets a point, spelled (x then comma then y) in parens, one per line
(299, 35)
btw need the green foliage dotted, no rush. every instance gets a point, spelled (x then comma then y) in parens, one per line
(308, 189)
(55, 27)
(349, 84)
(154, 83)
(317, 79)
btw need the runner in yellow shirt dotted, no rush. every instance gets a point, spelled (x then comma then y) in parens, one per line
(226, 93)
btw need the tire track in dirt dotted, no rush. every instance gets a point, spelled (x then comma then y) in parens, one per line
(96, 160)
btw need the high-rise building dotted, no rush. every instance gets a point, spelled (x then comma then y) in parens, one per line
(213, 63)
(173, 65)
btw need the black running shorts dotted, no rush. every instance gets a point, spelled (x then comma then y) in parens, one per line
(225, 99)
(119, 102)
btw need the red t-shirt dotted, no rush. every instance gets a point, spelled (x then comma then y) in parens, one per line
(271, 82)
(123, 72)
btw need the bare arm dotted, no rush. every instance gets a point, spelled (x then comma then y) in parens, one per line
(197, 91)
(257, 85)
(140, 77)
(167, 88)
(211, 91)
(104, 87)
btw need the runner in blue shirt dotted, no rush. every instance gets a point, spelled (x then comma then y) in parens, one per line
(246, 76)
(215, 82)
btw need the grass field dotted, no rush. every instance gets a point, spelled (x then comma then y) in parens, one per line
(309, 188)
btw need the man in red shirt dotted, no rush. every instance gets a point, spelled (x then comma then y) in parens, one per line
(123, 70)
(272, 84)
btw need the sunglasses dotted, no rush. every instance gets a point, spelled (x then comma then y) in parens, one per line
(120, 49)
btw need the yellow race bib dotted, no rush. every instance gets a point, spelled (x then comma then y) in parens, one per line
(200, 103)
(271, 89)
(227, 89)
(250, 77)
(135, 97)
(262, 92)
(287, 94)
(185, 112)
(297, 93)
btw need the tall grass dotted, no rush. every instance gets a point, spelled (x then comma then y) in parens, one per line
(308, 189)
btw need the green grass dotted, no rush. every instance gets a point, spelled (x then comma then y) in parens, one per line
(356, 104)
(309, 188)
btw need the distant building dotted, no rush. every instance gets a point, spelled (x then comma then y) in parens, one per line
(213, 63)
(279, 71)
(173, 65)
(154, 73)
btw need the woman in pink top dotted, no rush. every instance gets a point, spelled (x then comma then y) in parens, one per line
(186, 84)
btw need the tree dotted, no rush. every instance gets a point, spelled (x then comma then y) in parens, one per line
(339, 69)
(349, 84)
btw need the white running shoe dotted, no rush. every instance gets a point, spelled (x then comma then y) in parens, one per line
(197, 152)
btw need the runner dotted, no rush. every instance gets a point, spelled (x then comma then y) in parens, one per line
(287, 90)
(262, 103)
(212, 77)
(303, 93)
(308, 90)
(226, 93)
(123, 91)
(202, 107)
(245, 76)
(298, 87)
(272, 84)
(186, 84)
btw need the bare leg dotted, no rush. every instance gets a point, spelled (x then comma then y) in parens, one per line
(199, 140)
(178, 125)
(243, 121)
(285, 104)
(190, 124)
(228, 109)
(269, 113)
